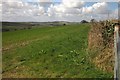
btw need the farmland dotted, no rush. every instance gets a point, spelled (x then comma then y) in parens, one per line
(56, 52)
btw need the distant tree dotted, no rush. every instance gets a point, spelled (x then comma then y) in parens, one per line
(29, 27)
(92, 20)
(84, 21)
(15, 29)
(64, 24)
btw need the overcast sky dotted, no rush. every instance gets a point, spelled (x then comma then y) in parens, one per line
(56, 10)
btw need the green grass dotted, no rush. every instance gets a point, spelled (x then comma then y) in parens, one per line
(49, 52)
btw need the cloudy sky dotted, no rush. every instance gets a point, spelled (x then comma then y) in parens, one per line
(56, 10)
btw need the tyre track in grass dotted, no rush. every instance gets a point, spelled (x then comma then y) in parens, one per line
(24, 43)
(21, 44)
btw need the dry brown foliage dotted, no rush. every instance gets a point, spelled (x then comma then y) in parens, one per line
(101, 44)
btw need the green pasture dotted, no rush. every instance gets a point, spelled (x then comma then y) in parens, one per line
(49, 52)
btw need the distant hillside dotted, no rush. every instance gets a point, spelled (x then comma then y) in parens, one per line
(13, 26)
(33, 23)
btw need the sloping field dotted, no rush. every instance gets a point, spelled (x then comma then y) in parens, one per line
(55, 52)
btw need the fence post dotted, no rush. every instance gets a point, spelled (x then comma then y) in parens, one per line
(117, 52)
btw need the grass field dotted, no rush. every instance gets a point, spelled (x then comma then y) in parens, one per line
(49, 52)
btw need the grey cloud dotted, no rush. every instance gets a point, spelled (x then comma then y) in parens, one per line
(16, 10)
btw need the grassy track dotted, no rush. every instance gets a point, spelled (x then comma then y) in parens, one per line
(49, 52)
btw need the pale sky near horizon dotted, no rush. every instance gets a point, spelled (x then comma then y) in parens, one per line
(57, 10)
